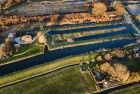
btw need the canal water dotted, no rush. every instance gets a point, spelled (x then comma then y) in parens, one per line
(96, 36)
(61, 53)
(54, 32)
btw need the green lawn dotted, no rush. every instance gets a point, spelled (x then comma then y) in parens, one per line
(24, 52)
(65, 81)
(129, 90)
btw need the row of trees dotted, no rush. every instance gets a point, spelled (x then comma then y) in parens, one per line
(8, 20)
(116, 70)
(6, 48)
(100, 9)
(8, 3)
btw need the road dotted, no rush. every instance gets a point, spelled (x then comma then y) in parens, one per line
(107, 91)
(129, 20)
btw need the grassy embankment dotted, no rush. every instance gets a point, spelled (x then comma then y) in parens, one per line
(26, 51)
(43, 69)
(63, 44)
(137, 18)
(65, 81)
(93, 32)
(129, 90)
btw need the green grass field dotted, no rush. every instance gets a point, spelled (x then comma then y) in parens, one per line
(65, 81)
(129, 90)
(24, 52)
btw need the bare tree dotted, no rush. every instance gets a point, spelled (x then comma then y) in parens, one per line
(8, 46)
(99, 9)
(116, 70)
(120, 10)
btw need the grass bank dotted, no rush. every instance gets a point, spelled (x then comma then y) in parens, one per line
(44, 68)
(65, 44)
(129, 90)
(24, 52)
(65, 81)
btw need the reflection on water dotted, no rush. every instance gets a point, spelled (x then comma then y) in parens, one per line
(134, 9)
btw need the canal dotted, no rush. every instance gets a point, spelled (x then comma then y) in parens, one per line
(61, 53)
(54, 32)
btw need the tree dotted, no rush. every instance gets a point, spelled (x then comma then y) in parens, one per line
(61, 37)
(9, 3)
(116, 70)
(8, 46)
(120, 10)
(41, 37)
(2, 51)
(99, 9)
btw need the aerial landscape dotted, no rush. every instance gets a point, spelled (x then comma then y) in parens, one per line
(69, 46)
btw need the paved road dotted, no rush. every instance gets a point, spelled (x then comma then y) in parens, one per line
(129, 20)
(107, 91)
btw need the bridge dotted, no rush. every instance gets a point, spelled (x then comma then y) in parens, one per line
(19, 41)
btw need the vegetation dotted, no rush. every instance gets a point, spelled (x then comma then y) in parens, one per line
(120, 10)
(99, 9)
(121, 64)
(137, 18)
(25, 52)
(6, 48)
(117, 71)
(44, 68)
(11, 20)
(129, 90)
(92, 32)
(134, 68)
(64, 81)
(9, 3)
(123, 71)
(63, 44)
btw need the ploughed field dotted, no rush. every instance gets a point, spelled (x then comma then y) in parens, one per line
(56, 54)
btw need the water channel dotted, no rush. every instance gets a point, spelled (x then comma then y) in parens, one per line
(61, 53)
